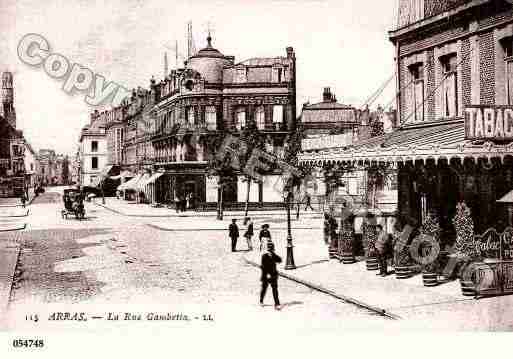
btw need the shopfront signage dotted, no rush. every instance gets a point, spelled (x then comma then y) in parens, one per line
(492, 244)
(489, 123)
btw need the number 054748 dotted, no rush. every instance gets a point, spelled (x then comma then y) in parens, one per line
(28, 343)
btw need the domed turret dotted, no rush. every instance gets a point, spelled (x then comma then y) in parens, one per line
(209, 62)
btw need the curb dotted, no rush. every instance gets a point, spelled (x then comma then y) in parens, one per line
(18, 216)
(14, 228)
(214, 214)
(5, 297)
(212, 229)
(379, 311)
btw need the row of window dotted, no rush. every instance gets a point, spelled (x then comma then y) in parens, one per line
(448, 89)
(277, 75)
(168, 120)
(259, 116)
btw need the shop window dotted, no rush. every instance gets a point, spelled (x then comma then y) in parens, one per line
(260, 117)
(94, 146)
(277, 114)
(417, 96)
(449, 85)
(507, 45)
(211, 118)
(94, 163)
(240, 118)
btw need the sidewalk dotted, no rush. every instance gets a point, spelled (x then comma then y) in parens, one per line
(131, 209)
(442, 306)
(12, 224)
(9, 252)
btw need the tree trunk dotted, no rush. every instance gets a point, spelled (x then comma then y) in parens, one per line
(248, 188)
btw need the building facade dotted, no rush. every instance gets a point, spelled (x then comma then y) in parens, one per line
(92, 152)
(164, 134)
(455, 140)
(12, 142)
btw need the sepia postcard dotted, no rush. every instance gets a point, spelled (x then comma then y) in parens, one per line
(200, 171)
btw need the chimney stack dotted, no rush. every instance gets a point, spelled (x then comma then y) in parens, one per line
(326, 95)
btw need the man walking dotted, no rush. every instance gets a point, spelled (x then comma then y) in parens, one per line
(381, 247)
(234, 233)
(264, 235)
(270, 274)
(249, 233)
(308, 201)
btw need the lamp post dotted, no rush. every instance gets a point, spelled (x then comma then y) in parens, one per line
(289, 265)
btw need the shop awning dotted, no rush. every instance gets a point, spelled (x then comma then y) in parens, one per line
(410, 143)
(131, 184)
(154, 177)
(124, 174)
(141, 183)
(106, 171)
(507, 198)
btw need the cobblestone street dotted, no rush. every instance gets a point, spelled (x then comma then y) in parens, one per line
(110, 261)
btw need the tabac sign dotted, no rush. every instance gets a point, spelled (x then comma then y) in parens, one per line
(489, 123)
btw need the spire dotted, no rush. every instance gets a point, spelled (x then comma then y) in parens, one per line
(209, 39)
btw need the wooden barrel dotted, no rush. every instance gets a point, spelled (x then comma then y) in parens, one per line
(403, 272)
(430, 279)
(468, 288)
(347, 258)
(332, 252)
(372, 263)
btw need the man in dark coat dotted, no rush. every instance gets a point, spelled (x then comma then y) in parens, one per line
(264, 235)
(249, 233)
(270, 274)
(233, 230)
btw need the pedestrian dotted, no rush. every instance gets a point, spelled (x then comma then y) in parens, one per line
(333, 225)
(23, 199)
(308, 201)
(264, 235)
(270, 274)
(177, 203)
(249, 233)
(188, 200)
(326, 228)
(381, 248)
(233, 230)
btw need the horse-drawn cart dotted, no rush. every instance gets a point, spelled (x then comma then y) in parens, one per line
(73, 204)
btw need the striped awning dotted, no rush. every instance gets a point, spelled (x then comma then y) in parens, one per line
(131, 184)
(432, 141)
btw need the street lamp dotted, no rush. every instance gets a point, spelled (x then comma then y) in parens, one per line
(289, 264)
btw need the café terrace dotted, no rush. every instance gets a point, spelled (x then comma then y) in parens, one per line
(438, 165)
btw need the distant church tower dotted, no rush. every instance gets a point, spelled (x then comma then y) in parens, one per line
(7, 99)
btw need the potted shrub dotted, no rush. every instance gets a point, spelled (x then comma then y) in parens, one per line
(346, 245)
(430, 228)
(402, 258)
(465, 246)
(369, 239)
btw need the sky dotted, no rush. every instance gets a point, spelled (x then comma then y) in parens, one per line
(341, 44)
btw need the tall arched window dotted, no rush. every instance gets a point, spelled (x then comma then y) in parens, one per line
(211, 118)
(240, 118)
(260, 117)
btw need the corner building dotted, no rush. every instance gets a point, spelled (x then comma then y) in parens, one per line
(451, 57)
(213, 94)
